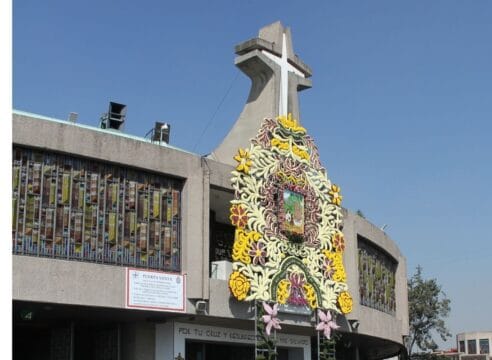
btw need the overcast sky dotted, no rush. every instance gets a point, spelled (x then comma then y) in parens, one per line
(401, 103)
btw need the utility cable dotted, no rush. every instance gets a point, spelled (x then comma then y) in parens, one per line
(216, 111)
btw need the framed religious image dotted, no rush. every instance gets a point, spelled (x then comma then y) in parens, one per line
(292, 215)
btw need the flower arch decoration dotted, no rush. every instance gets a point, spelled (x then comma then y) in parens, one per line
(288, 246)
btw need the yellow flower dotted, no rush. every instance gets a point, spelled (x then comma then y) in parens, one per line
(338, 242)
(240, 248)
(282, 145)
(336, 198)
(336, 258)
(239, 285)
(284, 178)
(300, 153)
(296, 150)
(291, 124)
(310, 295)
(283, 291)
(345, 302)
(340, 275)
(244, 161)
(242, 242)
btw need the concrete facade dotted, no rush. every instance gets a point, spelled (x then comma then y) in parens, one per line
(40, 280)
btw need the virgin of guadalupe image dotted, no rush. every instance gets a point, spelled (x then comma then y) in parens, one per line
(294, 212)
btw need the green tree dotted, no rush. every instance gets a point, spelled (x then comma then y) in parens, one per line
(428, 306)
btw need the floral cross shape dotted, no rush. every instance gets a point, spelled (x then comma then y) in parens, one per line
(326, 323)
(271, 319)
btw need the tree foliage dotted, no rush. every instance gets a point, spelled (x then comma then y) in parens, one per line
(428, 306)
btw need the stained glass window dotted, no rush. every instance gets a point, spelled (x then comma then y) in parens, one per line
(376, 277)
(78, 209)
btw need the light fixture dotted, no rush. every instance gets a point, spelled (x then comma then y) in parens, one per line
(201, 307)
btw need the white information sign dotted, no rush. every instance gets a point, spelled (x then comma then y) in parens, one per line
(155, 290)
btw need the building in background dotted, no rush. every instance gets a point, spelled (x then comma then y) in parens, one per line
(474, 345)
(122, 245)
(451, 354)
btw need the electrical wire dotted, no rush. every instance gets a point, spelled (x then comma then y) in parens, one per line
(216, 111)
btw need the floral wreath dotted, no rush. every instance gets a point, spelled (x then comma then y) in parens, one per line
(288, 246)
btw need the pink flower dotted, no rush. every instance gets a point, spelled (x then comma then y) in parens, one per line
(258, 253)
(326, 323)
(338, 242)
(271, 319)
(328, 267)
(296, 280)
(296, 290)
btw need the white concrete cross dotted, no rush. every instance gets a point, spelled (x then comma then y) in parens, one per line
(285, 68)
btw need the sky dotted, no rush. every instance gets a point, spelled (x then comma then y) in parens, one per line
(400, 108)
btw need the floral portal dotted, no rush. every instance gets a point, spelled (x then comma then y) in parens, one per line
(288, 246)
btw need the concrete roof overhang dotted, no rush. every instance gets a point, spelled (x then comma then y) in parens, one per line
(374, 348)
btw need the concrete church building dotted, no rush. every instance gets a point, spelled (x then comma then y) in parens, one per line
(123, 246)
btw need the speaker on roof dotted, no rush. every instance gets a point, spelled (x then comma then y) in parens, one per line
(115, 117)
(161, 132)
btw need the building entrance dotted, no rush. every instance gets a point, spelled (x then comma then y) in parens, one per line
(196, 350)
(190, 341)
